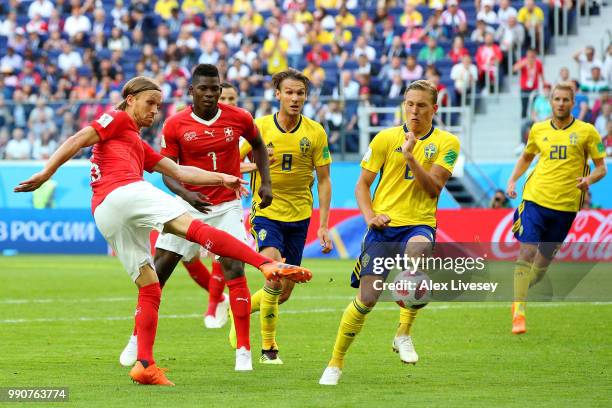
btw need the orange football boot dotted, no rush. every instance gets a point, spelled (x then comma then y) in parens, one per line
(276, 270)
(518, 318)
(152, 375)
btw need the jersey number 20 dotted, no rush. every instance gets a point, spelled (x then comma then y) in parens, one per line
(558, 152)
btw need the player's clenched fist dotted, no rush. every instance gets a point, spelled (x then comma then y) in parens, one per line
(379, 222)
(511, 189)
(408, 145)
(265, 193)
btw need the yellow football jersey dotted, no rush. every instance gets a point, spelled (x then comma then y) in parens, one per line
(564, 155)
(397, 193)
(297, 153)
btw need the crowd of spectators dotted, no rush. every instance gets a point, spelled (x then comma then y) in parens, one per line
(63, 62)
(592, 83)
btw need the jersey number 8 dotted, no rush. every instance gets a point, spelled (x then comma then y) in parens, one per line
(286, 164)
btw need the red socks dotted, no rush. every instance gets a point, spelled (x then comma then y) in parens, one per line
(223, 244)
(215, 288)
(198, 272)
(240, 302)
(135, 332)
(146, 320)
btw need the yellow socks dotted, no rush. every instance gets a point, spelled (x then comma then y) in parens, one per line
(256, 301)
(536, 275)
(406, 319)
(268, 317)
(350, 326)
(522, 271)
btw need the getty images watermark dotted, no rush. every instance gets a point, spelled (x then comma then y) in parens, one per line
(469, 272)
(413, 266)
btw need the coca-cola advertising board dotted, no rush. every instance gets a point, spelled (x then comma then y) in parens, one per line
(485, 226)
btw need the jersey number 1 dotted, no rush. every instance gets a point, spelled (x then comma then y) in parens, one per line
(214, 160)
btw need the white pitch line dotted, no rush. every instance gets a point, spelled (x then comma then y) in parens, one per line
(64, 300)
(433, 307)
(129, 299)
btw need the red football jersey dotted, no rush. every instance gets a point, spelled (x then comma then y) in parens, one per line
(120, 156)
(211, 145)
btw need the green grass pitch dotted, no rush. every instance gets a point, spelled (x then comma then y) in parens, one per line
(65, 320)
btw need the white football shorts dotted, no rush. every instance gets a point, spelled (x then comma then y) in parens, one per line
(226, 216)
(126, 217)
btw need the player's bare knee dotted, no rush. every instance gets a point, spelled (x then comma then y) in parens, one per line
(272, 253)
(527, 253)
(165, 262)
(419, 246)
(179, 225)
(368, 294)
(232, 268)
(147, 276)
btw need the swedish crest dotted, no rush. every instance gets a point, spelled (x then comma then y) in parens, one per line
(430, 151)
(305, 146)
(573, 139)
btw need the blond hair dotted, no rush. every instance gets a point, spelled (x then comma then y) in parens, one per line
(424, 85)
(563, 86)
(134, 86)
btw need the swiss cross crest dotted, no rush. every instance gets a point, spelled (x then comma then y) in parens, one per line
(189, 136)
(229, 134)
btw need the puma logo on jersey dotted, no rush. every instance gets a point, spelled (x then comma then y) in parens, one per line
(398, 149)
(242, 299)
(210, 133)
(189, 136)
(270, 316)
(218, 278)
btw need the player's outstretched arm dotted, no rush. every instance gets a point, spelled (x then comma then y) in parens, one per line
(260, 156)
(325, 190)
(196, 176)
(520, 168)
(83, 138)
(596, 175)
(364, 201)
